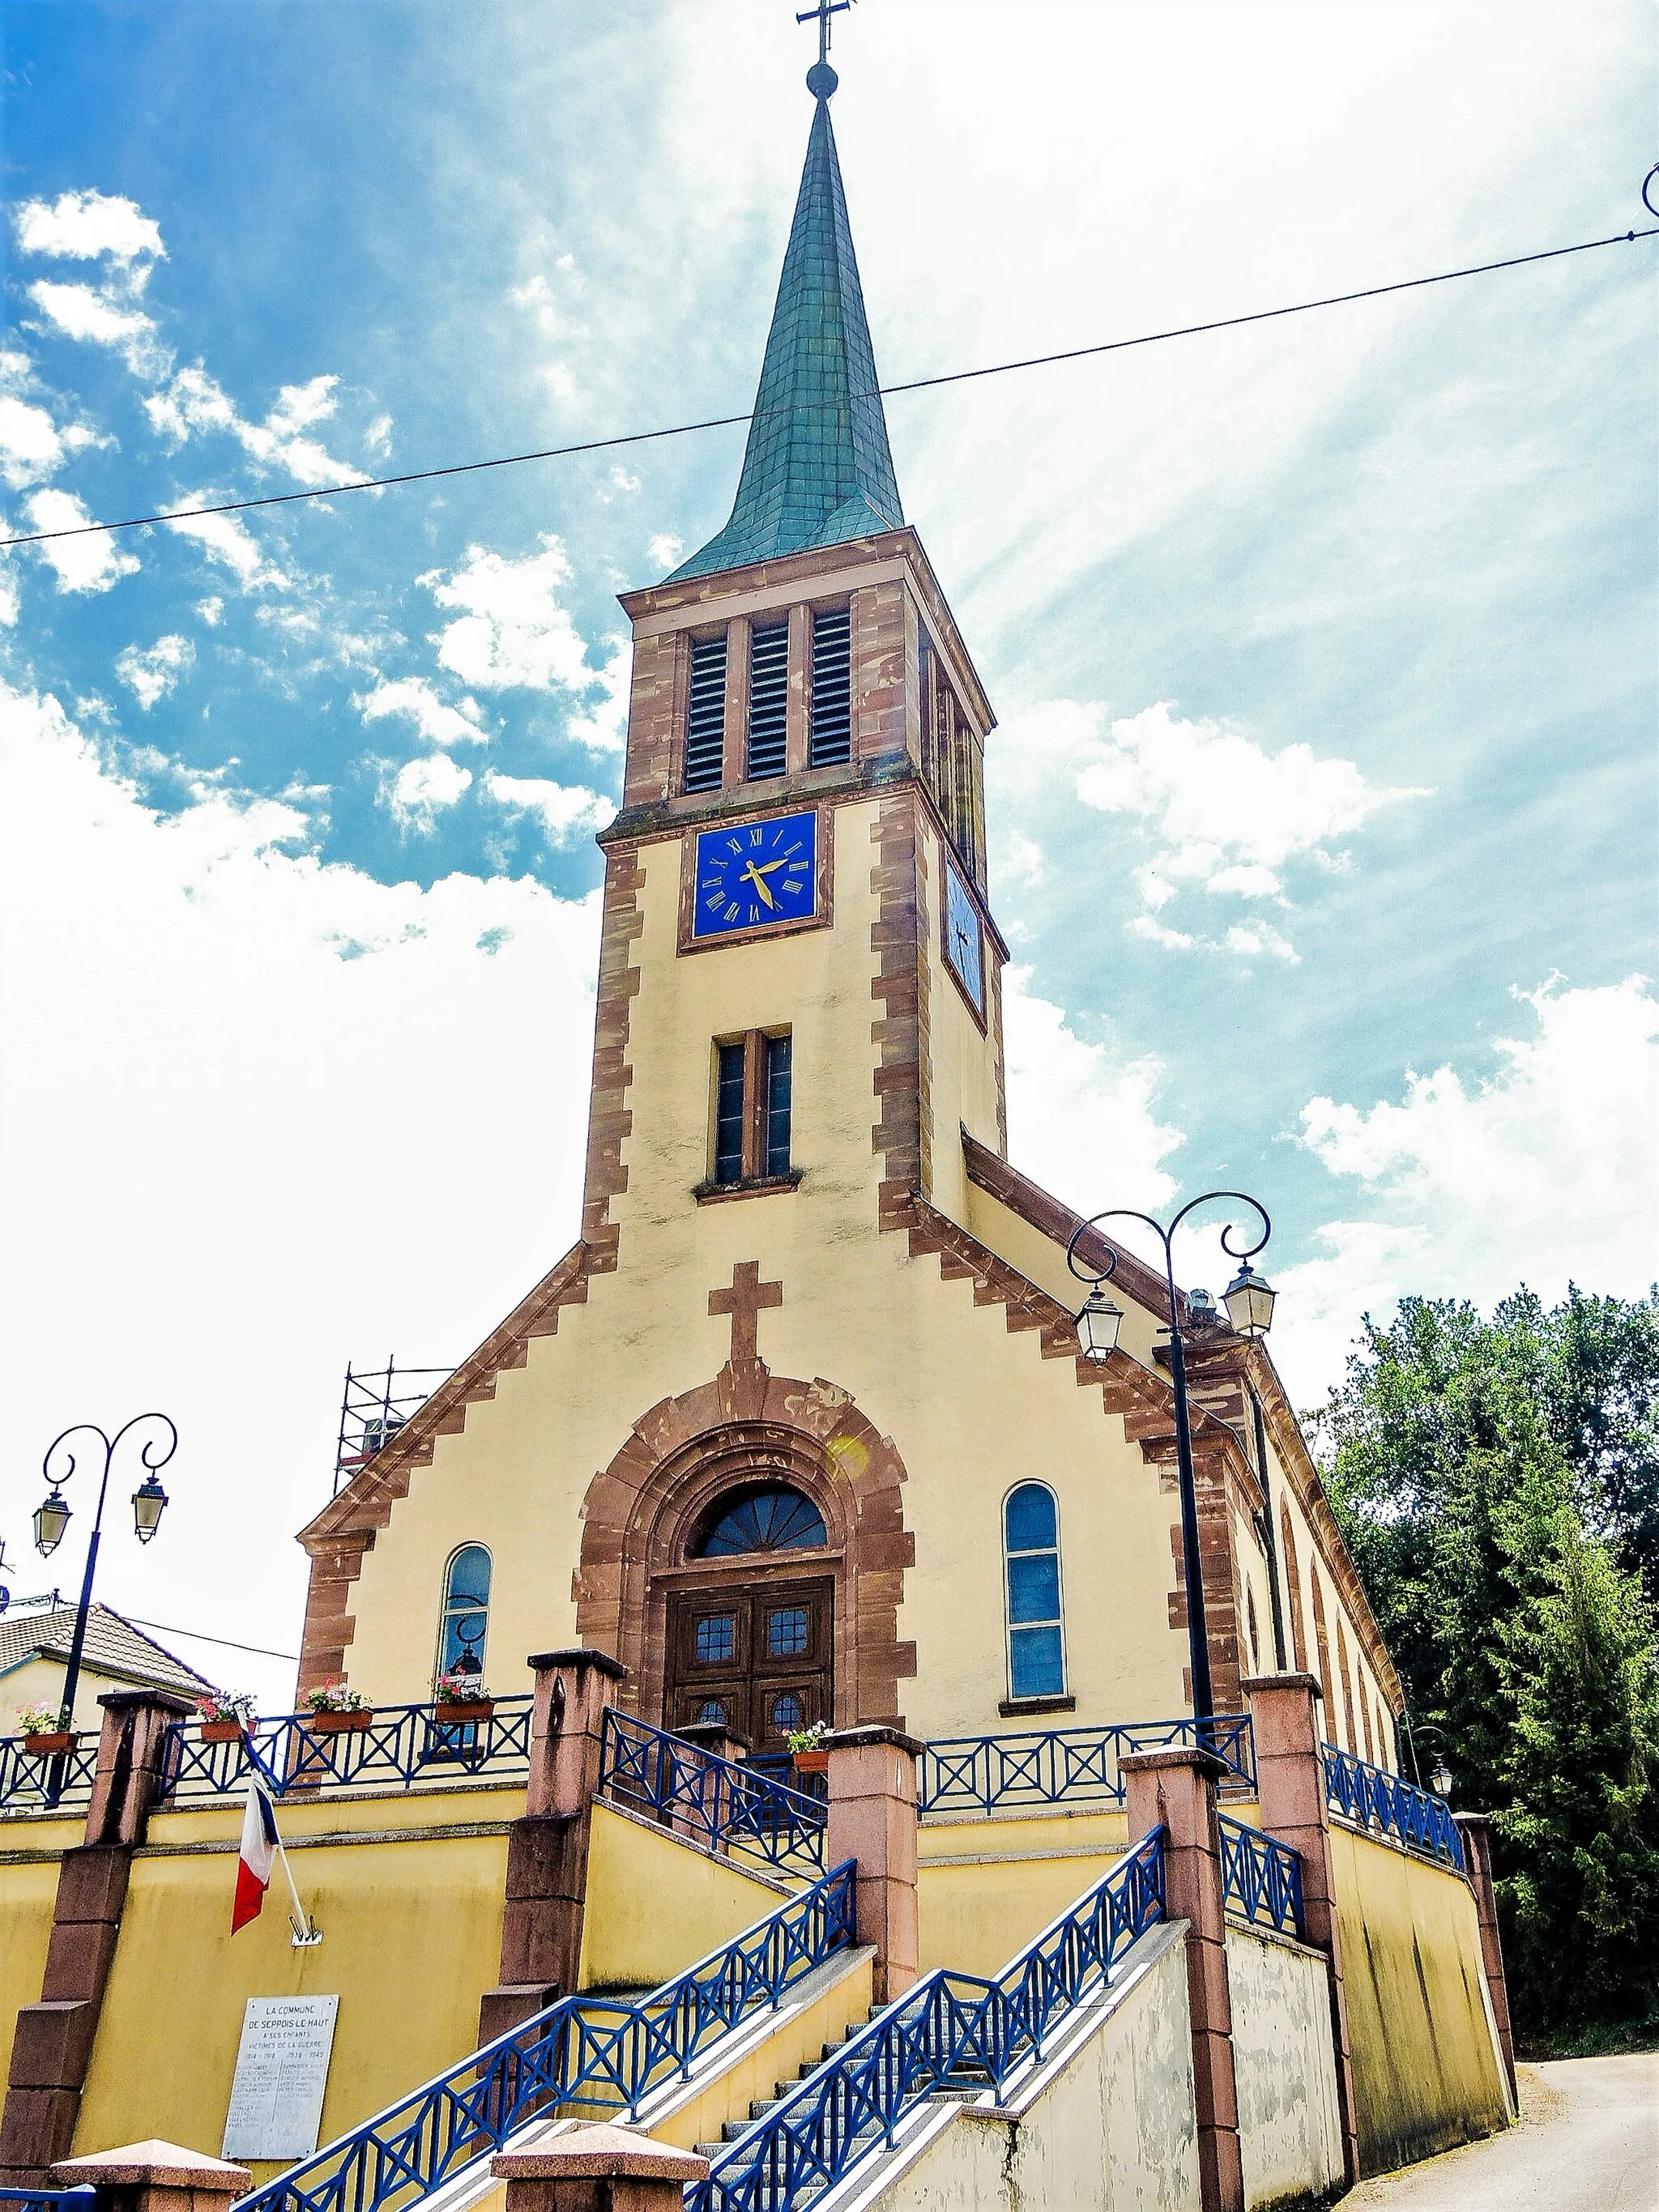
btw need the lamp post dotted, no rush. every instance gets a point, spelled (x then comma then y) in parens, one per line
(1440, 1774)
(1249, 1303)
(52, 1517)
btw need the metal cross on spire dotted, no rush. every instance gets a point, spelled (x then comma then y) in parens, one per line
(821, 79)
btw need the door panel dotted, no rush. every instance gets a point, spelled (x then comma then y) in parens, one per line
(757, 1657)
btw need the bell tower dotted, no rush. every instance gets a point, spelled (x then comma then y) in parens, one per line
(805, 761)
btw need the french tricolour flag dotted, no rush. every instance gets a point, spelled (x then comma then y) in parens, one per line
(260, 1844)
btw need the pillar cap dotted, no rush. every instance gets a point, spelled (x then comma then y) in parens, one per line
(165, 2165)
(599, 2153)
(126, 1701)
(856, 1738)
(703, 1734)
(1178, 1754)
(578, 1654)
(1252, 1683)
(1472, 1819)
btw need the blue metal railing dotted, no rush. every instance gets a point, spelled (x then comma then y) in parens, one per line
(26, 1779)
(710, 1800)
(949, 2028)
(1261, 1877)
(604, 2058)
(81, 2198)
(1373, 1799)
(402, 1747)
(1064, 1766)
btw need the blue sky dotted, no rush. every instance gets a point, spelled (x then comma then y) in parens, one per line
(1323, 797)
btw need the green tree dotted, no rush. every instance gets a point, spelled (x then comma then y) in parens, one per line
(1498, 1482)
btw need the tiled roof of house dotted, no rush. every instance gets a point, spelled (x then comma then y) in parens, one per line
(113, 1646)
(817, 471)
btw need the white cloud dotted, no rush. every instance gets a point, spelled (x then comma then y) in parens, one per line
(205, 962)
(566, 810)
(665, 551)
(149, 676)
(621, 481)
(82, 226)
(1543, 1171)
(1258, 939)
(1077, 1122)
(9, 605)
(31, 444)
(211, 610)
(1226, 814)
(91, 563)
(378, 436)
(226, 539)
(603, 728)
(512, 629)
(97, 318)
(422, 789)
(438, 723)
(195, 404)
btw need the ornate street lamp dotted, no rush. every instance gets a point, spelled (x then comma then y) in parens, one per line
(52, 1517)
(1250, 1308)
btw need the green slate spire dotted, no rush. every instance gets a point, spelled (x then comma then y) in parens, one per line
(817, 470)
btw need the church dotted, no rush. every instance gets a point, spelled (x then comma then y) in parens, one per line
(798, 1430)
(811, 1713)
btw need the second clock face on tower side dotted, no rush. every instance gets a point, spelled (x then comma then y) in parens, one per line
(964, 940)
(756, 875)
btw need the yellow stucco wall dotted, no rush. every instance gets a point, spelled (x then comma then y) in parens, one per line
(655, 1905)
(411, 1923)
(1427, 2069)
(986, 1888)
(30, 1852)
(39, 1681)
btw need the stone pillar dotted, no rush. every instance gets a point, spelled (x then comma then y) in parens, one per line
(872, 1819)
(1290, 1792)
(599, 2169)
(52, 2047)
(547, 1850)
(700, 1790)
(1477, 1861)
(1175, 1790)
(154, 2177)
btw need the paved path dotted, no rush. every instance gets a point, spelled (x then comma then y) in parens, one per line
(1587, 2142)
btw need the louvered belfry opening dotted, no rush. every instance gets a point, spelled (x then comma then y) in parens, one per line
(705, 730)
(769, 699)
(831, 740)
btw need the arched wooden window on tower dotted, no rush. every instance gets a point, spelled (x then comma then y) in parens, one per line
(464, 1622)
(754, 1654)
(1293, 1584)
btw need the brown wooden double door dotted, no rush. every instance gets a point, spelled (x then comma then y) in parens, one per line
(755, 1659)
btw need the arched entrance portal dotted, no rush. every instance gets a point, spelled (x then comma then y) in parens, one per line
(753, 1496)
(754, 1651)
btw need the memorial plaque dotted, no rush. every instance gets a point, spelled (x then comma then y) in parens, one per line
(282, 2070)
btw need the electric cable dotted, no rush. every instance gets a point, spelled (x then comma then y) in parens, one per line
(881, 392)
(200, 1636)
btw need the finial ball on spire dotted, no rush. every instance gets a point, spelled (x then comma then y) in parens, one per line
(821, 80)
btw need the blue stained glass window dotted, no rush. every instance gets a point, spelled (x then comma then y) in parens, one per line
(711, 1713)
(717, 1638)
(765, 1521)
(1030, 1531)
(466, 1611)
(787, 1712)
(785, 1632)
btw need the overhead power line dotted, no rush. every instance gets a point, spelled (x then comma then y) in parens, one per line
(200, 1636)
(884, 391)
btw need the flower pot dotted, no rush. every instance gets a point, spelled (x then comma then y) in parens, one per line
(49, 1747)
(222, 1731)
(471, 1709)
(810, 1762)
(339, 1723)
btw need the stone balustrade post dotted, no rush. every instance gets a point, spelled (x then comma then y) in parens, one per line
(547, 1850)
(699, 1798)
(1290, 1776)
(154, 2177)
(51, 2049)
(1477, 1861)
(599, 2169)
(871, 1779)
(1176, 1789)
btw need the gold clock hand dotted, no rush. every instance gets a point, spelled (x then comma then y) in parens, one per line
(766, 866)
(765, 890)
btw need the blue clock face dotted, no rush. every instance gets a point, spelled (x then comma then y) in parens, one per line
(756, 875)
(964, 940)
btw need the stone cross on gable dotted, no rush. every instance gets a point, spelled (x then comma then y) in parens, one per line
(743, 1302)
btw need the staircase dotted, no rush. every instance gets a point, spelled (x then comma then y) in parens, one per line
(733, 2131)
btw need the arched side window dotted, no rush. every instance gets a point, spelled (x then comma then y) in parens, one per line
(1293, 1584)
(466, 1617)
(1030, 1550)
